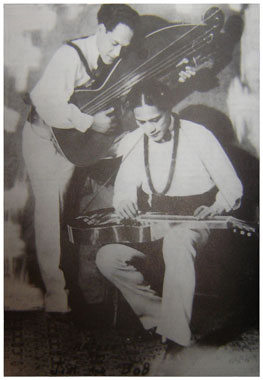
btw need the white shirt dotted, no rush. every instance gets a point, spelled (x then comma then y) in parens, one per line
(63, 74)
(201, 164)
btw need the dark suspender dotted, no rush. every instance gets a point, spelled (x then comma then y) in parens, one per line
(82, 58)
(33, 114)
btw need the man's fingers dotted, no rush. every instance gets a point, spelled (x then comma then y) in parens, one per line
(120, 214)
(128, 211)
(208, 212)
(198, 210)
(213, 213)
(135, 208)
(202, 215)
(109, 110)
(183, 61)
(188, 72)
(185, 74)
(131, 209)
(202, 212)
(191, 70)
(125, 214)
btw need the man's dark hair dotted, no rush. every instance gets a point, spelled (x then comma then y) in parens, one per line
(113, 14)
(153, 93)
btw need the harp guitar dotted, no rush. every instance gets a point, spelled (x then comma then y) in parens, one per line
(158, 54)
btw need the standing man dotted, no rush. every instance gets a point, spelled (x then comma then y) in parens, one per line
(179, 167)
(49, 171)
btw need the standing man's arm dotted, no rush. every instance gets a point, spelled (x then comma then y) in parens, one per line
(52, 94)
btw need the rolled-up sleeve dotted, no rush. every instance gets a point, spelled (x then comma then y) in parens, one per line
(52, 93)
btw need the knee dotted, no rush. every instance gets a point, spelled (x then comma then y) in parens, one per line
(178, 236)
(106, 259)
(178, 243)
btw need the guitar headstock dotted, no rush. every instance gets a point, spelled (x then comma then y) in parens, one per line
(240, 226)
(214, 17)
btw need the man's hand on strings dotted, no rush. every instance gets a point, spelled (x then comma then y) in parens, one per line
(187, 72)
(127, 209)
(203, 212)
(104, 121)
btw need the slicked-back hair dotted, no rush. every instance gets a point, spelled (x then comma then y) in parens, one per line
(152, 93)
(113, 14)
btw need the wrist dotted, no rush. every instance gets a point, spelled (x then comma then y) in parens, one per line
(218, 207)
(85, 123)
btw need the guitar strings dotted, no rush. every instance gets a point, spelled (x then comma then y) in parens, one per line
(126, 77)
(122, 90)
(159, 67)
(163, 65)
(132, 75)
(131, 78)
(170, 45)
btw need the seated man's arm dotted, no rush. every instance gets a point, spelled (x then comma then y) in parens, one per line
(222, 172)
(127, 182)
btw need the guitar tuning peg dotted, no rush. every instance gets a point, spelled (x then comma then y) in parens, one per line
(249, 234)
(242, 232)
(214, 16)
(234, 230)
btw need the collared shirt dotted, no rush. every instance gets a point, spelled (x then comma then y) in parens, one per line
(201, 164)
(63, 74)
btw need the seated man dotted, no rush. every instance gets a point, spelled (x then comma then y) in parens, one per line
(179, 167)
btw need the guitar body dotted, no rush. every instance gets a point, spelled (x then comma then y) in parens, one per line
(158, 54)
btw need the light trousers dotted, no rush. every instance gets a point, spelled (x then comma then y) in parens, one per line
(49, 174)
(171, 314)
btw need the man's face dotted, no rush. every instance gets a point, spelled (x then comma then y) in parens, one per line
(154, 122)
(110, 43)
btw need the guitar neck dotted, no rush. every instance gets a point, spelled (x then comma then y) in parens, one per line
(193, 43)
(222, 222)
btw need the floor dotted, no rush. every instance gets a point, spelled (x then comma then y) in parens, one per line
(226, 344)
(225, 327)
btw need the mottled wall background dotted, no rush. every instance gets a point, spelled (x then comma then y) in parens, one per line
(33, 32)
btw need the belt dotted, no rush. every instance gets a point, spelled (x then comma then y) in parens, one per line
(38, 125)
(41, 129)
